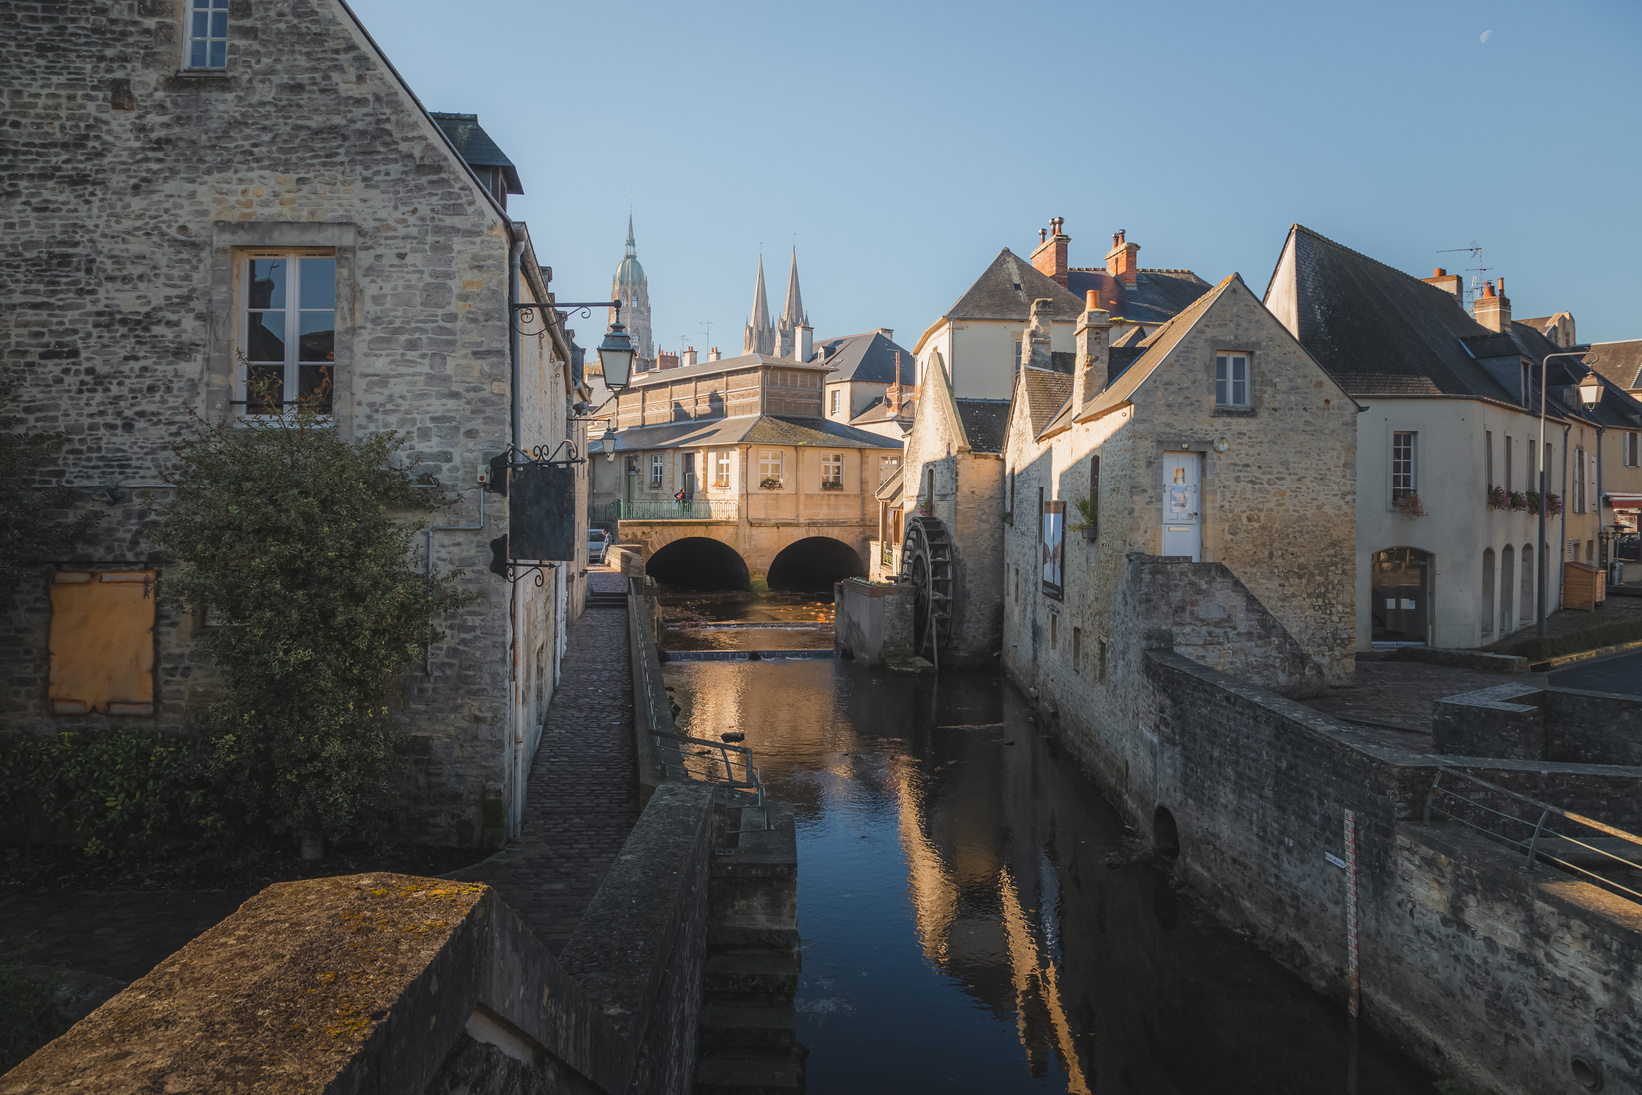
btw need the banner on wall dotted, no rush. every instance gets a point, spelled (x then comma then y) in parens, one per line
(1054, 547)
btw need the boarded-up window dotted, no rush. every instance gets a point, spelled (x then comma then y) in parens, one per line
(102, 642)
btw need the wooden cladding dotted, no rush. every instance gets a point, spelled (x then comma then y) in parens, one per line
(722, 395)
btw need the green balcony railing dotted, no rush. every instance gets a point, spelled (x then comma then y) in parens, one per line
(663, 509)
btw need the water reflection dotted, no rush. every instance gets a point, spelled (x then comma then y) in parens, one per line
(976, 917)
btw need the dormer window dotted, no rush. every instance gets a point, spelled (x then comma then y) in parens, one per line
(207, 34)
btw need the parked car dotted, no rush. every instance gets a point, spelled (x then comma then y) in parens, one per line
(597, 540)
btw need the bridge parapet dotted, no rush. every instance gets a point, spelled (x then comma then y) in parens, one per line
(392, 983)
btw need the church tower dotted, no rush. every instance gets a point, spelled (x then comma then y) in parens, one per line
(759, 336)
(632, 288)
(787, 340)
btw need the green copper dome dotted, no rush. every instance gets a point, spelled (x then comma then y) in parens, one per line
(630, 272)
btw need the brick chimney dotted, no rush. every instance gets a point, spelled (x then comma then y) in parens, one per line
(713, 354)
(892, 395)
(1035, 339)
(1050, 256)
(1493, 310)
(688, 358)
(665, 360)
(1448, 283)
(1089, 374)
(1121, 260)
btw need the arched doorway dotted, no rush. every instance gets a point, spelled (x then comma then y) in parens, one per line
(1400, 596)
(1165, 833)
(813, 564)
(699, 562)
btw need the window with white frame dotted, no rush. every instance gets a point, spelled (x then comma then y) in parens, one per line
(1633, 449)
(287, 338)
(1579, 480)
(658, 471)
(769, 467)
(832, 471)
(837, 399)
(887, 466)
(207, 34)
(721, 472)
(1402, 464)
(1231, 380)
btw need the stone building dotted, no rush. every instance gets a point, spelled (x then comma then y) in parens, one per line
(767, 482)
(1449, 445)
(258, 189)
(1199, 497)
(978, 340)
(871, 382)
(968, 361)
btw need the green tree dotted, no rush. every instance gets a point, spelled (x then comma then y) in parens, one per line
(28, 531)
(286, 540)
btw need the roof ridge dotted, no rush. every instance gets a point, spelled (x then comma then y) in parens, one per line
(1297, 226)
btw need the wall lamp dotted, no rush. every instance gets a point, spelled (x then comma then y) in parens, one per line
(615, 352)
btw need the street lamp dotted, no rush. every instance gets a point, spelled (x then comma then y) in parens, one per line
(615, 352)
(1590, 392)
(616, 356)
(609, 439)
(1539, 458)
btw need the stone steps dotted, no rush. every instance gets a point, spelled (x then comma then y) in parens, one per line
(751, 976)
(727, 1029)
(738, 1076)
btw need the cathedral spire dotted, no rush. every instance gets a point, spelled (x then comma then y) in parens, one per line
(632, 288)
(792, 316)
(632, 247)
(759, 337)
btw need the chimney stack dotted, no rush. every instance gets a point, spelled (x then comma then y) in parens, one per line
(805, 342)
(1121, 260)
(713, 354)
(1448, 283)
(1493, 310)
(1089, 375)
(1035, 339)
(689, 358)
(665, 360)
(1050, 255)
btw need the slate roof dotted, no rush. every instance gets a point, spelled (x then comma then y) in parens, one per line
(985, 421)
(1130, 336)
(868, 357)
(1380, 331)
(476, 147)
(1616, 407)
(1155, 296)
(722, 365)
(891, 486)
(1046, 393)
(1620, 362)
(1006, 290)
(751, 429)
(878, 411)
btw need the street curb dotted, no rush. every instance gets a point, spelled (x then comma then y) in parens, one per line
(1584, 656)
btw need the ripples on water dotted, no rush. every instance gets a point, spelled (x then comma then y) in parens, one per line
(977, 919)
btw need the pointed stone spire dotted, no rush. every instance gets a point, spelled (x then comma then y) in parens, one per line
(759, 337)
(632, 288)
(632, 247)
(792, 316)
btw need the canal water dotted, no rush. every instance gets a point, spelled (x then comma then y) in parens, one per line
(975, 917)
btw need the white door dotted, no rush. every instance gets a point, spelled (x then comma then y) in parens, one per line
(1182, 522)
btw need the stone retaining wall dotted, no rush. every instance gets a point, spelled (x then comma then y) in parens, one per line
(873, 622)
(1496, 977)
(1531, 722)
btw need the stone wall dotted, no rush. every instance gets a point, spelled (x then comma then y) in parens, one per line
(1492, 974)
(872, 622)
(389, 983)
(1534, 723)
(133, 192)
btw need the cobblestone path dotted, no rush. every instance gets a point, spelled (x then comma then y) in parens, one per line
(582, 797)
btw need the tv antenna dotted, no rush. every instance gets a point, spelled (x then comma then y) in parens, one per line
(707, 332)
(1476, 270)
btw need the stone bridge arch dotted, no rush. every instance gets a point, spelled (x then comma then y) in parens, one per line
(758, 544)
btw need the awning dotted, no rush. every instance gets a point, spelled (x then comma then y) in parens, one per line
(1616, 500)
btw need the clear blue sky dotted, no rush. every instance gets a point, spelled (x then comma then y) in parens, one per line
(904, 143)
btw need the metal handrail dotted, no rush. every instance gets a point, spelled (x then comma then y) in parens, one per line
(1539, 826)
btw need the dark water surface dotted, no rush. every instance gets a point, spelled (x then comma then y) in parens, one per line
(976, 918)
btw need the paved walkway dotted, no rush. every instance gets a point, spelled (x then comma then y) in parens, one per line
(582, 797)
(1403, 694)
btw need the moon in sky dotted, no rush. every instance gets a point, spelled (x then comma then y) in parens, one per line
(1485, 35)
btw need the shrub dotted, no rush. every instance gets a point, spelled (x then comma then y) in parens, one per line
(769, 482)
(1498, 499)
(27, 1018)
(831, 484)
(286, 535)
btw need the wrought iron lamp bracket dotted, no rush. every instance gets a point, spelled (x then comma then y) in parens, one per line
(525, 312)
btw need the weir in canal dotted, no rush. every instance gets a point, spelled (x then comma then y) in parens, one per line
(975, 916)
